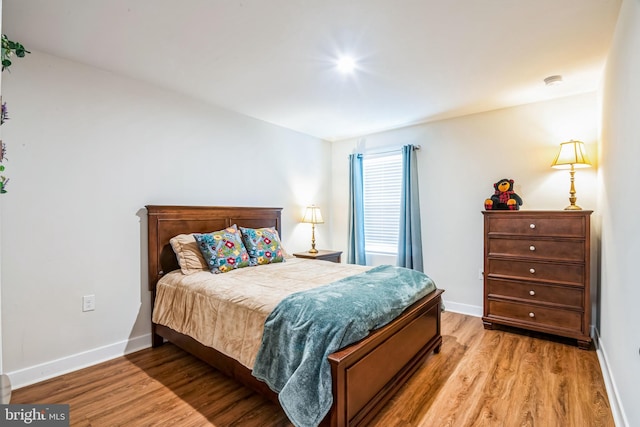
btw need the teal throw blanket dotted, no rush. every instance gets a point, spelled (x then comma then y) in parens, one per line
(307, 326)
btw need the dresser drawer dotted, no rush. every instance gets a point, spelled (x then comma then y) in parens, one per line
(536, 270)
(559, 225)
(559, 250)
(560, 295)
(536, 315)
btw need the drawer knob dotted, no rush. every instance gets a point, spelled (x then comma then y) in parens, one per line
(532, 270)
(532, 248)
(532, 314)
(532, 293)
(532, 226)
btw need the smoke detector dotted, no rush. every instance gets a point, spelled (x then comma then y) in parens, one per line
(553, 80)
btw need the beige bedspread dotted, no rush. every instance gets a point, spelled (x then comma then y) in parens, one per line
(227, 311)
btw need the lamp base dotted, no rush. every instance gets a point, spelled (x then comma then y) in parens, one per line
(313, 249)
(573, 208)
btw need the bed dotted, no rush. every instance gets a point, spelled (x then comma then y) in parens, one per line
(364, 375)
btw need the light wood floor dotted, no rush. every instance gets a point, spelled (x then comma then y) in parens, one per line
(480, 378)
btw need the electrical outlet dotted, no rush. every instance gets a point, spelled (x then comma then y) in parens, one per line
(88, 303)
(480, 274)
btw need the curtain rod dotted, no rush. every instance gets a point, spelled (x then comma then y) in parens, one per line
(384, 150)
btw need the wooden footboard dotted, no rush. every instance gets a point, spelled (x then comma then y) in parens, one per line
(366, 374)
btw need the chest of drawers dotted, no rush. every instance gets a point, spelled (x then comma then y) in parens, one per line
(537, 272)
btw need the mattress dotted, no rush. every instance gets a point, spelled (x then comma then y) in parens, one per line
(227, 311)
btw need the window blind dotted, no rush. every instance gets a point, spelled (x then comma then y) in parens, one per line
(382, 176)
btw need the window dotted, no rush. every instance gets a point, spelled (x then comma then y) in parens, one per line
(382, 176)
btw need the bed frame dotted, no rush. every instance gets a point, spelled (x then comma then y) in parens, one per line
(365, 375)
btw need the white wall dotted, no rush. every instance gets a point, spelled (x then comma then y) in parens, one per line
(88, 150)
(460, 160)
(620, 207)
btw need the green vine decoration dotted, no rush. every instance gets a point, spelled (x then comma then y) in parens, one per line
(9, 49)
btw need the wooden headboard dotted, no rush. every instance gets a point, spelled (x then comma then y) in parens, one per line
(165, 222)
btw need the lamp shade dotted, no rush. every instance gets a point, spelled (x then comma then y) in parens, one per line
(571, 153)
(313, 215)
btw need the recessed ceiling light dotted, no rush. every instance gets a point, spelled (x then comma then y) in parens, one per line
(346, 64)
(553, 80)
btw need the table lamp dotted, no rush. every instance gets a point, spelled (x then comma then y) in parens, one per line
(571, 155)
(313, 216)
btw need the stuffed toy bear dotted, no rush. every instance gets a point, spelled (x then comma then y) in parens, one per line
(504, 198)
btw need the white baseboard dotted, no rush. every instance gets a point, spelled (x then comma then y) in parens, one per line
(617, 410)
(44, 371)
(456, 307)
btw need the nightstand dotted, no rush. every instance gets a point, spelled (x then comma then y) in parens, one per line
(333, 256)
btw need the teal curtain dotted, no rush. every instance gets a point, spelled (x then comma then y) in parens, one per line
(355, 252)
(410, 233)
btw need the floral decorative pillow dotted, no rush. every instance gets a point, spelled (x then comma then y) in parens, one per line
(263, 245)
(223, 250)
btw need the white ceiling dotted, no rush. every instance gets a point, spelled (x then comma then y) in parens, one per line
(418, 60)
